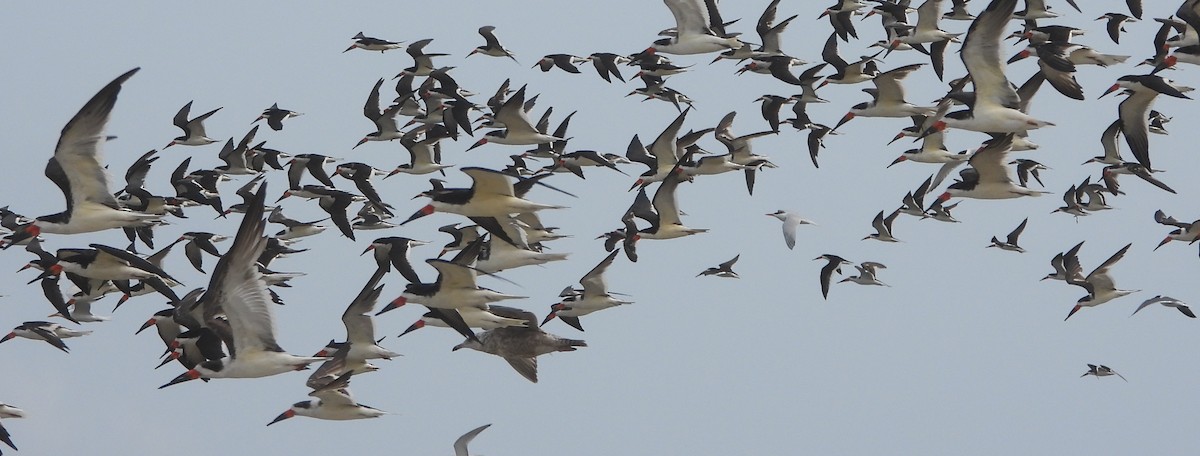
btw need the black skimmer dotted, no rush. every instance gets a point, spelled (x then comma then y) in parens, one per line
(361, 174)
(198, 187)
(521, 346)
(1034, 10)
(422, 62)
(833, 263)
(393, 252)
(335, 202)
(926, 31)
(847, 73)
(1165, 301)
(1116, 24)
(1027, 168)
(1101, 371)
(959, 12)
(367, 43)
(883, 227)
(1110, 173)
(518, 130)
(941, 213)
(888, 98)
(454, 289)
(724, 269)
(606, 64)
(463, 237)
(816, 140)
(1073, 201)
(237, 158)
(51, 333)
(594, 297)
(260, 157)
(1060, 269)
(1135, 8)
(193, 129)
(200, 242)
(78, 172)
(790, 222)
(276, 115)
(236, 288)
(1099, 284)
(662, 154)
(164, 324)
(80, 307)
(424, 155)
(494, 317)
(769, 32)
(491, 45)
(385, 120)
(101, 262)
(988, 177)
(997, 104)
(1010, 243)
(333, 402)
(314, 164)
(360, 335)
(771, 104)
(867, 271)
(913, 202)
(492, 194)
(1134, 111)
(293, 229)
(1187, 232)
(693, 31)
(565, 62)
(499, 255)
(662, 213)
(740, 152)
(840, 18)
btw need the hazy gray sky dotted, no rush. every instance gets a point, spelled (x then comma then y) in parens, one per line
(965, 353)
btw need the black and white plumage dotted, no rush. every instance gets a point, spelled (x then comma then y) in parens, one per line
(1100, 370)
(236, 289)
(77, 168)
(1010, 243)
(193, 129)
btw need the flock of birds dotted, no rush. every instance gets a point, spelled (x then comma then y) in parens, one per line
(227, 330)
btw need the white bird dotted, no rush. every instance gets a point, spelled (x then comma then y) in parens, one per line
(237, 290)
(460, 445)
(790, 222)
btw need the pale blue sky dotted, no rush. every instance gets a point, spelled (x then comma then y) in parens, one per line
(966, 353)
